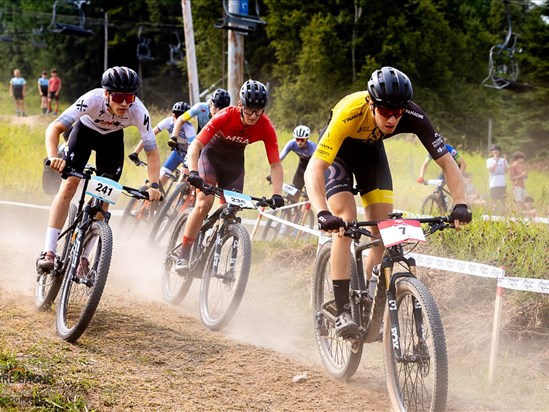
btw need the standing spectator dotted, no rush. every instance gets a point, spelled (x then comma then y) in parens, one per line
(54, 87)
(497, 167)
(17, 91)
(518, 174)
(43, 83)
(529, 209)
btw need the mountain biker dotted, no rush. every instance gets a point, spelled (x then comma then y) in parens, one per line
(185, 136)
(304, 148)
(202, 111)
(216, 156)
(455, 155)
(97, 118)
(352, 147)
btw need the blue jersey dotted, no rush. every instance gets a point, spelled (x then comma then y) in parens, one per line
(304, 153)
(202, 113)
(451, 150)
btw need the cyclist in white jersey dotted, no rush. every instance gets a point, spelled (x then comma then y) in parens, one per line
(97, 120)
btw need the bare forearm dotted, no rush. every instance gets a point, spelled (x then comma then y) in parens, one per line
(316, 187)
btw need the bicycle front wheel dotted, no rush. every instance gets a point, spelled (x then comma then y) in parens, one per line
(418, 381)
(174, 285)
(340, 357)
(221, 291)
(166, 216)
(48, 283)
(432, 206)
(84, 283)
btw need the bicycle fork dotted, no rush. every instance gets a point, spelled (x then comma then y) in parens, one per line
(228, 275)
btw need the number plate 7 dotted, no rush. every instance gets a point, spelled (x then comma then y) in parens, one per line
(395, 231)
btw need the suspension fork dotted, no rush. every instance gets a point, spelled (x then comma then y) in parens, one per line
(78, 241)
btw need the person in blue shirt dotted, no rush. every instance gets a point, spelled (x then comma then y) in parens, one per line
(42, 84)
(17, 91)
(304, 148)
(455, 154)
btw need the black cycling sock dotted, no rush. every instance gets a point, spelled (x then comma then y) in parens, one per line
(341, 295)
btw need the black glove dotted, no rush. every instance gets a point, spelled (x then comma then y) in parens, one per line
(327, 221)
(462, 213)
(195, 179)
(172, 142)
(277, 201)
(134, 157)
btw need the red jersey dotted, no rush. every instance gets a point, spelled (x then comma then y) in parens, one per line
(54, 83)
(233, 135)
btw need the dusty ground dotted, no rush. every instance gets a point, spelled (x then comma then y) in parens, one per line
(141, 354)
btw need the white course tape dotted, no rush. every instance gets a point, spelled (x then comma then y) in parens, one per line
(459, 266)
(526, 284)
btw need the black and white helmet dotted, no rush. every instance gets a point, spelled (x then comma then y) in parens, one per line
(302, 132)
(254, 94)
(221, 98)
(120, 79)
(389, 87)
(180, 107)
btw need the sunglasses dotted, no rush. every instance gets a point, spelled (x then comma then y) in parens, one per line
(123, 97)
(298, 140)
(257, 112)
(387, 113)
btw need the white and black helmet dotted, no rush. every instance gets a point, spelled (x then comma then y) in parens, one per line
(120, 79)
(302, 132)
(180, 107)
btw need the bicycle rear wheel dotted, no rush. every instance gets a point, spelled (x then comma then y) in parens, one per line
(432, 206)
(174, 285)
(339, 356)
(419, 380)
(166, 216)
(82, 289)
(221, 292)
(48, 284)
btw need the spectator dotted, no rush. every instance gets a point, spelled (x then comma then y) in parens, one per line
(497, 168)
(43, 91)
(17, 91)
(528, 208)
(471, 193)
(518, 174)
(54, 87)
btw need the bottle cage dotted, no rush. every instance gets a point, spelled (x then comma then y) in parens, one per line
(242, 23)
(57, 26)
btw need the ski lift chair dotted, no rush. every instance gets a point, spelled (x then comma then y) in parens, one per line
(143, 49)
(38, 39)
(4, 35)
(242, 23)
(57, 26)
(176, 54)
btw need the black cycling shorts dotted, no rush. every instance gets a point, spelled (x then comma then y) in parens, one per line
(222, 165)
(109, 150)
(365, 162)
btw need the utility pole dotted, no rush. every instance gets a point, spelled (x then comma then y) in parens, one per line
(235, 57)
(194, 92)
(106, 47)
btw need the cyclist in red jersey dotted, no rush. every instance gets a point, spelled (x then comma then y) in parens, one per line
(216, 156)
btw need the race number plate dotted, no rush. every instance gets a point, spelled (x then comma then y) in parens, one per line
(104, 189)
(291, 190)
(238, 199)
(397, 231)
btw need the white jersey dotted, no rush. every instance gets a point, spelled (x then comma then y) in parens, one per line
(91, 108)
(187, 133)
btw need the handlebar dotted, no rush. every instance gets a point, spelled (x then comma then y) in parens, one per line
(88, 172)
(209, 189)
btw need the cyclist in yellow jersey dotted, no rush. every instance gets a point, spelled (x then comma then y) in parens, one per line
(351, 151)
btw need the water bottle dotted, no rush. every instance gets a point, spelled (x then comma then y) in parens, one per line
(372, 284)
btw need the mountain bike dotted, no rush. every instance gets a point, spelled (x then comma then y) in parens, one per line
(301, 215)
(439, 202)
(180, 199)
(142, 210)
(82, 262)
(402, 312)
(221, 257)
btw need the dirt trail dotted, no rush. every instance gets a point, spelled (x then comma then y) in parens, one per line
(141, 354)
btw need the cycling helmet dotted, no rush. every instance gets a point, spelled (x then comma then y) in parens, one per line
(302, 132)
(180, 108)
(389, 87)
(254, 94)
(221, 98)
(120, 79)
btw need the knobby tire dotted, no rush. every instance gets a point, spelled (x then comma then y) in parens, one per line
(167, 215)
